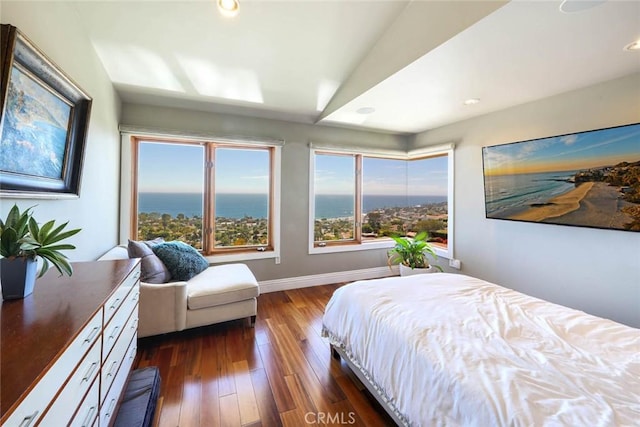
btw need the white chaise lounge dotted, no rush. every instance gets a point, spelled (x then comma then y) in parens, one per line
(218, 294)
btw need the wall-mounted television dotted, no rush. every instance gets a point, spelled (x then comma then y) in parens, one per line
(586, 179)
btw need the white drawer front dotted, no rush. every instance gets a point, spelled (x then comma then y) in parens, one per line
(117, 323)
(117, 356)
(110, 403)
(115, 300)
(88, 410)
(34, 404)
(73, 392)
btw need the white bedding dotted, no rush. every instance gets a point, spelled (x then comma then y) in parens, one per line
(449, 349)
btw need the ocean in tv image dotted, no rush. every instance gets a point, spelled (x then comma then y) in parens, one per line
(589, 179)
(511, 194)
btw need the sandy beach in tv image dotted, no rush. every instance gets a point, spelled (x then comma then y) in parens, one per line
(589, 179)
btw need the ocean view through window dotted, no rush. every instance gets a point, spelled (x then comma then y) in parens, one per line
(215, 197)
(360, 199)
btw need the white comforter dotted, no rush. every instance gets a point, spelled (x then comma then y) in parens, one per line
(449, 349)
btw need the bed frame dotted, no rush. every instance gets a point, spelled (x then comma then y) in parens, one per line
(337, 353)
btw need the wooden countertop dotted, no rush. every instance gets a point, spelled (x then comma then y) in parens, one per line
(36, 330)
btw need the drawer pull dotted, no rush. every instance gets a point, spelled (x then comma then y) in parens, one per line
(111, 406)
(90, 372)
(92, 335)
(114, 332)
(111, 369)
(26, 422)
(133, 352)
(115, 304)
(134, 324)
(87, 420)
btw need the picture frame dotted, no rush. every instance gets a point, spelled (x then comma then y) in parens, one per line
(44, 118)
(585, 179)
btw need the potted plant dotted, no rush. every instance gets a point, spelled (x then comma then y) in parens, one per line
(22, 242)
(412, 255)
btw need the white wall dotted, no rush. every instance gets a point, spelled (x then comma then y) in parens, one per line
(55, 28)
(597, 271)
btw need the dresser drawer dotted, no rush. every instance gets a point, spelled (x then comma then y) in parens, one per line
(115, 300)
(118, 355)
(110, 402)
(117, 324)
(89, 409)
(36, 402)
(75, 389)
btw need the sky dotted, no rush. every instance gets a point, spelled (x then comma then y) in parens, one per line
(172, 168)
(334, 174)
(593, 149)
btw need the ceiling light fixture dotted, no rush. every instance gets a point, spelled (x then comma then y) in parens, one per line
(365, 110)
(575, 6)
(229, 7)
(633, 47)
(471, 101)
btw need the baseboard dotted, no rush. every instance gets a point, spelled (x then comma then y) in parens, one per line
(325, 279)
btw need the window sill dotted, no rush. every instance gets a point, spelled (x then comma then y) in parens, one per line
(241, 256)
(442, 253)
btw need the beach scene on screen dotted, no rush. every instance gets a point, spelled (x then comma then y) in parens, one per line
(589, 179)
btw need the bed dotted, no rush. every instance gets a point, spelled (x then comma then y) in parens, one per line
(452, 350)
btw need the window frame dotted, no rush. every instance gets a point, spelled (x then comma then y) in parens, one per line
(129, 184)
(357, 244)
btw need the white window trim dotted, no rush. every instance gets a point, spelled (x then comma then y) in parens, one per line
(126, 162)
(447, 149)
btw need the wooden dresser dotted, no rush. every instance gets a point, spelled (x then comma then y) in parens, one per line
(67, 349)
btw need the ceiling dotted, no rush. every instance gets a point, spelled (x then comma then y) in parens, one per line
(413, 62)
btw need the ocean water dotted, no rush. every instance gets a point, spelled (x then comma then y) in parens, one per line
(256, 205)
(507, 195)
(191, 204)
(335, 206)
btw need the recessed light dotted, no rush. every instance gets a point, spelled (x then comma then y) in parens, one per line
(633, 47)
(471, 101)
(229, 7)
(575, 6)
(365, 110)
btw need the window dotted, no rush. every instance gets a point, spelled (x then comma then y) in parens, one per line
(171, 193)
(218, 197)
(359, 200)
(335, 198)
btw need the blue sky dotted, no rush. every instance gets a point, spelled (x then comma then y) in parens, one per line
(605, 147)
(170, 168)
(428, 177)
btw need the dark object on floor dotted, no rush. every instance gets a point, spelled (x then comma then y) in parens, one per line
(140, 398)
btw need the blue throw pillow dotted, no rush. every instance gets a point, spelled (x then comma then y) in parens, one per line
(182, 260)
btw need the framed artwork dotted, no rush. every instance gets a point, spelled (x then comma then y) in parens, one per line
(43, 123)
(586, 179)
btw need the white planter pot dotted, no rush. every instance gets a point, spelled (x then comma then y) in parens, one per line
(408, 271)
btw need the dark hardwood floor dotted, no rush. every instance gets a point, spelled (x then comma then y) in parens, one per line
(279, 373)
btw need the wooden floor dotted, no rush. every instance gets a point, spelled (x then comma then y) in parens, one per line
(279, 373)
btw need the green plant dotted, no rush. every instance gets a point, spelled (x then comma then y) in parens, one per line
(412, 252)
(20, 236)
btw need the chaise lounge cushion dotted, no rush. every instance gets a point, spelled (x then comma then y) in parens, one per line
(221, 285)
(182, 260)
(152, 269)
